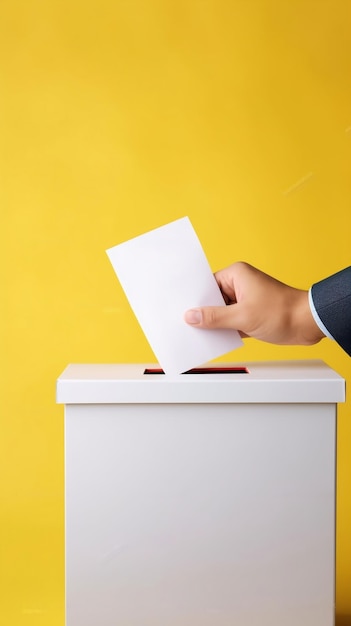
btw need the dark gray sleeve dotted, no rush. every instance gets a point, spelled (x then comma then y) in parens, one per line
(332, 300)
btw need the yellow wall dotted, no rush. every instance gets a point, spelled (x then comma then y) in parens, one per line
(117, 116)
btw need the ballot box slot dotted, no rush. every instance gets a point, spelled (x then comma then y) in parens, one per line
(202, 370)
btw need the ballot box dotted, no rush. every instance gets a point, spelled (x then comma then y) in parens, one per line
(207, 499)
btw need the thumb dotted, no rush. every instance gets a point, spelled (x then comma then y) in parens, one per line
(212, 316)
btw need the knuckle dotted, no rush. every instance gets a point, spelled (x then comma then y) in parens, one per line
(210, 318)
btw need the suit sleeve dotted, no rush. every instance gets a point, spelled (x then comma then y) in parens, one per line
(332, 301)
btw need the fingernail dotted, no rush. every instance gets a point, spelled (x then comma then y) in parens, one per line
(194, 316)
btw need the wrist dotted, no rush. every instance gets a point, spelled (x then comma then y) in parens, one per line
(307, 329)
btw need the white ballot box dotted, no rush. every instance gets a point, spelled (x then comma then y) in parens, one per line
(207, 499)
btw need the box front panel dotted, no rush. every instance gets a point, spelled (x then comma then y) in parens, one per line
(200, 515)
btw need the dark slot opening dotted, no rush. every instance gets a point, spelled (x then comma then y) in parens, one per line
(203, 370)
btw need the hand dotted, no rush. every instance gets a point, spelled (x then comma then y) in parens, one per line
(259, 306)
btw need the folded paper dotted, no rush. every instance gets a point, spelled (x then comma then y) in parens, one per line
(163, 273)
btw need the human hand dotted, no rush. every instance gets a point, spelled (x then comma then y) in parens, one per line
(259, 306)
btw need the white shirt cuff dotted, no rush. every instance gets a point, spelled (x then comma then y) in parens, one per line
(317, 318)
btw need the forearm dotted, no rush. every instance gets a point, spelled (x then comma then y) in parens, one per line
(331, 305)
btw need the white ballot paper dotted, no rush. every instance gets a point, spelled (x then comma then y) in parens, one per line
(163, 273)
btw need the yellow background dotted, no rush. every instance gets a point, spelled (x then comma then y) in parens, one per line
(118, 116)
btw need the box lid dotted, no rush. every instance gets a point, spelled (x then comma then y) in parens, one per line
(307, 381)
